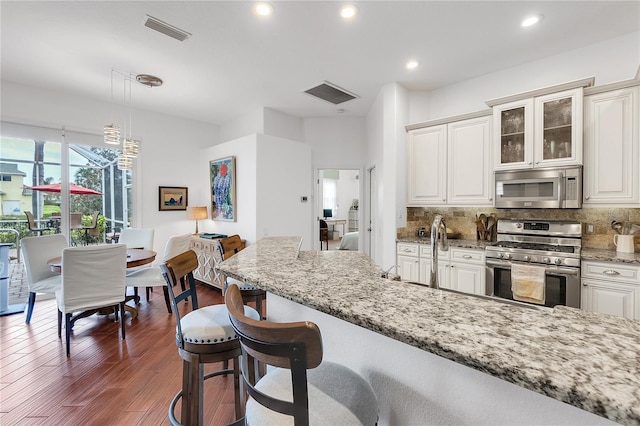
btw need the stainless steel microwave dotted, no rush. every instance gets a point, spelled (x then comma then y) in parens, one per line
(552, 188)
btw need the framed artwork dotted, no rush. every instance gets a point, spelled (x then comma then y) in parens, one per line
(223, 189)
(172, 198)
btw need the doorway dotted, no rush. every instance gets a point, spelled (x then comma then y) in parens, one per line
(338, 204)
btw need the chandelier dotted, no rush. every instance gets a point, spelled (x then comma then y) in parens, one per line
(130, 146)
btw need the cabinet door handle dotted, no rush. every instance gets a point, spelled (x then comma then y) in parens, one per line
(406, 250)
(467, 256)
(585, 285)
(537, 162)
(490, 199)
(611, 272)
(530, 163)
(586, 197)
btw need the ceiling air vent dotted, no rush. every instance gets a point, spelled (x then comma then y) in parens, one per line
(166, 29)
(330, 93)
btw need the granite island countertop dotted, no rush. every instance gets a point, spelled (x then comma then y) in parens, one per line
(590, 361)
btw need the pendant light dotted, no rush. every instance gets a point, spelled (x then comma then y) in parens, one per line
(130, 146)
(111, 131)
(125, 160)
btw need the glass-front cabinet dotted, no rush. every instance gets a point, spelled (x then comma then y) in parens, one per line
(558, 128)
(515, 123)
(542, 131)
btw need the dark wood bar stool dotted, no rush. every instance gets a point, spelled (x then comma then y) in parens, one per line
(204, 335)
(228, 247)
(303, 386)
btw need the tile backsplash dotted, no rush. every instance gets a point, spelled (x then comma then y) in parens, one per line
(461, 220)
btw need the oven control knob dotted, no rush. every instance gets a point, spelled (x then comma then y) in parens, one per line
(499, 255)
(557, 261)
(526, 258)
(546, 260)
(507, 256)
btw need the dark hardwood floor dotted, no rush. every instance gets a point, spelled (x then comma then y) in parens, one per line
(106, 380)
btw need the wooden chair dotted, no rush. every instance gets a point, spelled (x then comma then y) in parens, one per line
(228, 247)
(33, 227)
(92, 277)
(91, 230)
(204, 335)
(302, 386)
(36, 251)
(324, 234)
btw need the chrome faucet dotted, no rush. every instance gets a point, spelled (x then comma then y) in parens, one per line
(438, 232)
(385, 274)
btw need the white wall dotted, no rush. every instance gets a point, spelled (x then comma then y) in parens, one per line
(284, 176)
(245, 152)
(283, 125)
(272, 174)
(169, 149)
(336, 142)
(348, 187)
(608, 61)
(373, 158)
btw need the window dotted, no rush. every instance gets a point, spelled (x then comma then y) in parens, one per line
(330, 195)
(36, 155)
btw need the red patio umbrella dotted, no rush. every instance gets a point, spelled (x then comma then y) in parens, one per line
(73, 189)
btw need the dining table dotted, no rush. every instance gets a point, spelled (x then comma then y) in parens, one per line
(135, 258)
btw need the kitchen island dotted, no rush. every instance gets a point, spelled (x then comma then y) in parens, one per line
(435, 357)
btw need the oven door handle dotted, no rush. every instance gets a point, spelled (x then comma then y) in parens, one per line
(547, 270)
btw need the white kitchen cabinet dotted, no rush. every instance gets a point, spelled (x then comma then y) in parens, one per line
(426, 166)
(557, 134)
(408, 261)
(450, 162)
(513, 124)
(469, 177)
(541, 131)
(611, 288)
(467, 270)
(459, 268)
(443, 266)
(612, 148)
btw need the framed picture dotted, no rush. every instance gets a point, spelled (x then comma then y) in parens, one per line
(172, 198)
(223, 189)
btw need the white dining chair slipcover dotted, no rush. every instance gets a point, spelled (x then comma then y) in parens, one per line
(92, 277)
(152, 276)
(36, 251)
(135, 238)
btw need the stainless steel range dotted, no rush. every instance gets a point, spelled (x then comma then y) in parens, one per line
(551, 245)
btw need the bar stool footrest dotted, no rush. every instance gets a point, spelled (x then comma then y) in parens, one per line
(176, 398)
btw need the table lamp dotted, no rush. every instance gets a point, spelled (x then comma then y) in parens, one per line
(197, 213)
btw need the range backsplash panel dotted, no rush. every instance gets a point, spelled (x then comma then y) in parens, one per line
(462, 220)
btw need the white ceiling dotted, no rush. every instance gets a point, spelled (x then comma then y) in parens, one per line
(235, 62)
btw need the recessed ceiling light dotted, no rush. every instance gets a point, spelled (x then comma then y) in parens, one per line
(263, 9)
(412, 65)
(531, 20)
(348, 11)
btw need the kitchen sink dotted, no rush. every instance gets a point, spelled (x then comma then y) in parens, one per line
(485, 297)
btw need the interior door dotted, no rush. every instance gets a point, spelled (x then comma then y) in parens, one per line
(338, 192)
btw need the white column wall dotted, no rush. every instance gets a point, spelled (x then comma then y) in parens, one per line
(284, 175)
(245, 152)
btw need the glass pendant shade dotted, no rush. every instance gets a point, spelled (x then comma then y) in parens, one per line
(131, 147)
(112, 134)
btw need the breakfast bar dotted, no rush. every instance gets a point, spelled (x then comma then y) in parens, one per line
(435, 357)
